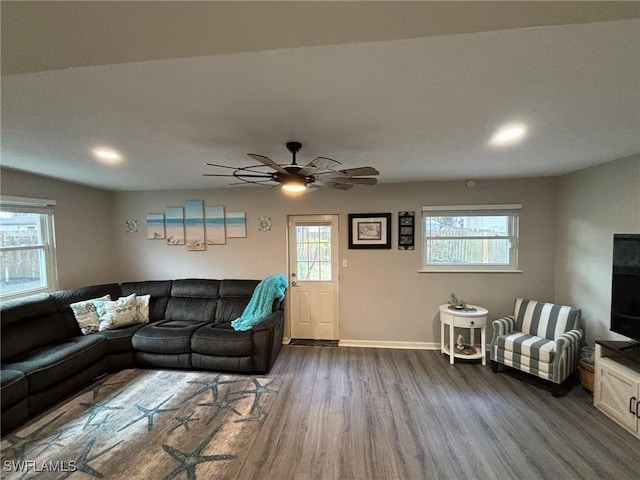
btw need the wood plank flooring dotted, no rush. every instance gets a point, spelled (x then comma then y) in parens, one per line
(361, 413)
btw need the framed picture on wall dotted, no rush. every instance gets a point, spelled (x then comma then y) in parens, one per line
(370, 230)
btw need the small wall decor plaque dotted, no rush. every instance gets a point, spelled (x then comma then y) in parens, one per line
(131, 225)
(264, 224)
(406, 230)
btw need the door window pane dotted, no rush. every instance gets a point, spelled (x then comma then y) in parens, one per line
(313, 247)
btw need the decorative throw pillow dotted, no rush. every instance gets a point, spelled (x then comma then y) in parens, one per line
(119, 313)
(143, 304)
(87, 315)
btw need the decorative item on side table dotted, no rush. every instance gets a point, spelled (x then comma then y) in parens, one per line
(369, 230)
(406, 230)
(456, 304)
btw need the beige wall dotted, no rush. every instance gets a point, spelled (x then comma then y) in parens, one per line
(593, 204)
(567, 226)
(82, 223)
(383, 298)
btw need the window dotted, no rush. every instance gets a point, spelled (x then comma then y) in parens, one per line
(27, 247)
(470, 238)
(313, 244)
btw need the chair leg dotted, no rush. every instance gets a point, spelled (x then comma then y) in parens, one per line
(561, 389)
(494, 366)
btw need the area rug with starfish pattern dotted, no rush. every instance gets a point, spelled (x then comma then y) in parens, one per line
(147, 424)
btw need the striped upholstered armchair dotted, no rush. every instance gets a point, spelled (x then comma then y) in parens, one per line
(539, 338)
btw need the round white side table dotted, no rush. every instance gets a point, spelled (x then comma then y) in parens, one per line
(470, 319)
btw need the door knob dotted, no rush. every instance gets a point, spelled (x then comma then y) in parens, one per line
(294, 284)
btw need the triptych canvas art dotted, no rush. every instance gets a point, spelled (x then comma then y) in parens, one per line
(196, 225)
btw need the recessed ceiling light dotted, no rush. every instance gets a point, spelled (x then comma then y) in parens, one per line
(508, 135)
(107, 155)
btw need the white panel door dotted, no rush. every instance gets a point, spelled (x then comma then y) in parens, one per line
(313, 277)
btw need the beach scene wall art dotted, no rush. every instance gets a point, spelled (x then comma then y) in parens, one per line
(155, 226)
(216, 231)
(236, 224)
(194, 224)
(174, 225)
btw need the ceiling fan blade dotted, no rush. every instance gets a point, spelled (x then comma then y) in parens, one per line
(324, 163)
(358, 181)
(339, 177)
(360, 171)
(216, 175)
(220, 166)
(267, 176)
(267, 161)
(339, 186)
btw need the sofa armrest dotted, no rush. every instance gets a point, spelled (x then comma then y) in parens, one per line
(267, 341)
(502, 326)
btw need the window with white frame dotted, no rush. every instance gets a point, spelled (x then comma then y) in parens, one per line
(27, 246)
(470, 238)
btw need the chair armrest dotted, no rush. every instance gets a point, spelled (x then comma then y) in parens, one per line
(569, 340)
(502, 326)
(566, 358)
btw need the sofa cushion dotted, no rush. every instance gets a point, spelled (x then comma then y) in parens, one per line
(546, 320)
(160, 290)
(15, 387)
(165, 337)
(213, 340)
(30, 323)
(193, 300)
(87, 315)
(48, 365)
(521, 344)
(119, 313)
(64, 298)
(119, 340)
(143, 307)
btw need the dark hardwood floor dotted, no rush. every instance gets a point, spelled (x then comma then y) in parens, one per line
(361, 413)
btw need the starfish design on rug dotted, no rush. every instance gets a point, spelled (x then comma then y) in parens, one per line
(55, 440)
(18, 444)
(184, 421)
(97, 408)
(225, 404)
(96, 390)
(149, 413)
(82, 463)
(212, 385)
(258, 392)
(260, 419)
(189, 460)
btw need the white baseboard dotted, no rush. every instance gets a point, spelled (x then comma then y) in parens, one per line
(385, 344)
(286, 340)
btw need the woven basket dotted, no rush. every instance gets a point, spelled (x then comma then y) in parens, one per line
(586, 375)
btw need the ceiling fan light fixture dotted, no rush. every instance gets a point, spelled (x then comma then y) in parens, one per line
(294, 185)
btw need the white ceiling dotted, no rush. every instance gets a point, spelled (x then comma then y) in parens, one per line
(414, 89)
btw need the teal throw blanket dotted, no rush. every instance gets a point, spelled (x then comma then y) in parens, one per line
(261, 303)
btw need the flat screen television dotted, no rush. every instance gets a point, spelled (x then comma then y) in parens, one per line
(625, 283)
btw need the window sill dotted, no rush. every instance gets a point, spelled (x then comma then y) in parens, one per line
(470, 271)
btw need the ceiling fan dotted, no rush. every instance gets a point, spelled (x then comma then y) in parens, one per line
(319, 172)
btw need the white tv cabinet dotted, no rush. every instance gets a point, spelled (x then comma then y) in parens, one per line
(617, 383)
